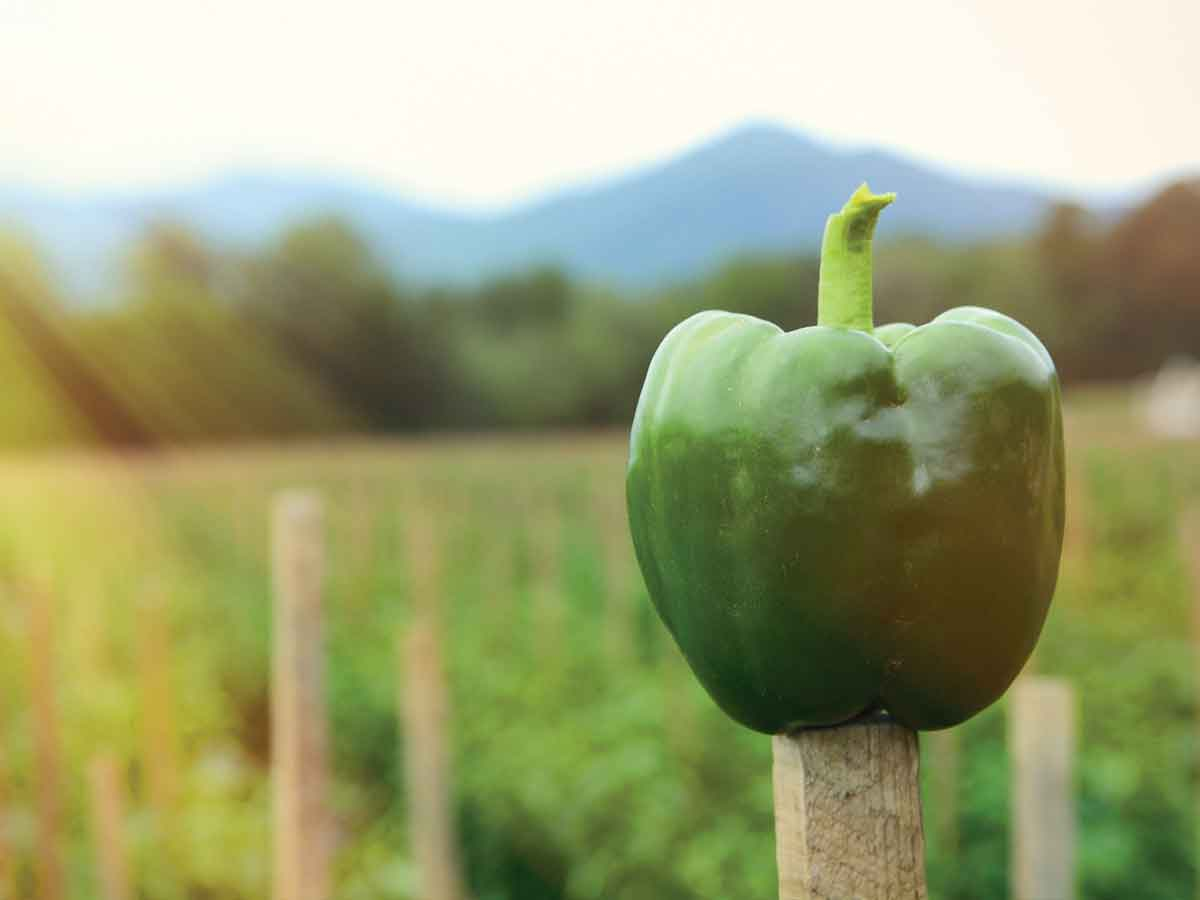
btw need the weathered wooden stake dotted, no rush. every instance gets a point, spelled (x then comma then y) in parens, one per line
(1041, 747)
(154, 671)
(299, 730)
(423, 713)
(46, 748)
(848, 813)
(1190, 549)
(108, 827)
(427, 766)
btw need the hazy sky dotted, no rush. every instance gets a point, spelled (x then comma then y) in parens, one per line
(488, 101)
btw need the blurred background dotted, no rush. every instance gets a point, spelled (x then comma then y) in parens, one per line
(414, 259)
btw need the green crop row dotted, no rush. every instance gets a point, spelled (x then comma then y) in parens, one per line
(586, 762)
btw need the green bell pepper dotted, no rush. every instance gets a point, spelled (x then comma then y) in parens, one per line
(839, 520)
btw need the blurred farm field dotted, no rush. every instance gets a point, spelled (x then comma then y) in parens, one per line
(587, 763)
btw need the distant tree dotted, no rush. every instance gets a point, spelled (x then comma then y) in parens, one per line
(312, 333)
(1152, 261)
(1068, 246)
(1067, 250)
(780, 289)
(537, 298)
(911, 283)
(323, 298)
(169, 256)
(175, 353)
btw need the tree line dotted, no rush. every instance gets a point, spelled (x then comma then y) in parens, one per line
(312, 334)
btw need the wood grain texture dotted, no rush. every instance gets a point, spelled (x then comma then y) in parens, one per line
(299, 729)
(848, 814)
(1041, 750)
(107, 789)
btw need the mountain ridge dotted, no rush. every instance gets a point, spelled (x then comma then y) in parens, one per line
(760, 187)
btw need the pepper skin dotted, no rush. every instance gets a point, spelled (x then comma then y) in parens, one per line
(841, 519)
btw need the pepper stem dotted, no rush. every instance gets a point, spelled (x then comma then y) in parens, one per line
(844, 292)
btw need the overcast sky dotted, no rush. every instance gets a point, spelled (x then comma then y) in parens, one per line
(485, 102)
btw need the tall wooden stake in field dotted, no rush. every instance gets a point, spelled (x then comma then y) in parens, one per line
(1190, 548)
(107, 784)
(47, 760)
(299, 738)
(1041, 749)
(848, 813)
(154, 670)
(423, 713)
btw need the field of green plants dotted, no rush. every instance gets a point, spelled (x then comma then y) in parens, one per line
(586, 761)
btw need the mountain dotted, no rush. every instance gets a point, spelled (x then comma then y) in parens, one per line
(760, 187)
(85, 234)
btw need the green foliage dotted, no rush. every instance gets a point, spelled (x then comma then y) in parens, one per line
(320, 298)
(311, 334)
(582, 769)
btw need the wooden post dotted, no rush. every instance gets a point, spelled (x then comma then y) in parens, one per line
(1190, 549)
(427, 765)
(108, 828)
(154, 671)
(299, 740)
(848, 813)
(47, 760)
(423, 714)
(1041, 747)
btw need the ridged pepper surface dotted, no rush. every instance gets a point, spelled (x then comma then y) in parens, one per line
(842, 519)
